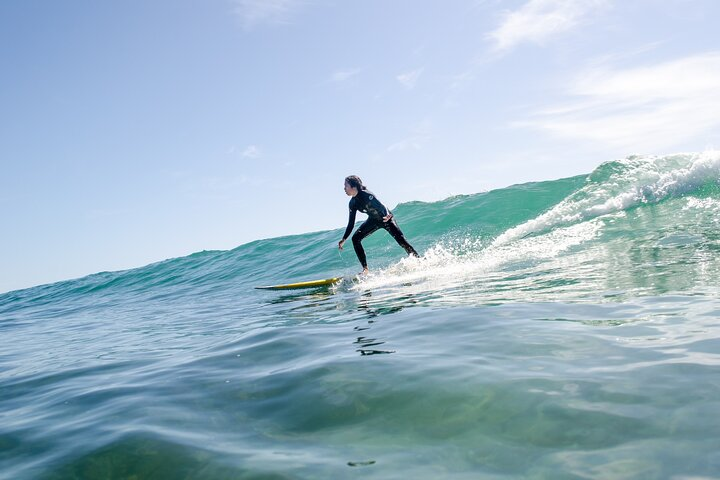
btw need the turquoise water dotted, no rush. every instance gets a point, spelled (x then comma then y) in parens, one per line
(563, 329)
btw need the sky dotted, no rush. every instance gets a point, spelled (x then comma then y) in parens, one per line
(136, 131)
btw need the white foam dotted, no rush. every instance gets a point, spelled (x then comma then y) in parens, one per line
(639, 179)
(440, 269)
(703, 204)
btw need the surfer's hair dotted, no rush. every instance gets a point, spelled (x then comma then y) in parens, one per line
(354, 182)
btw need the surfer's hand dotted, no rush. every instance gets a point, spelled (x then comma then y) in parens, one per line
(340, 244)
(388, 217)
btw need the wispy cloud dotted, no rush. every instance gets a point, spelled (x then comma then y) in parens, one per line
(639, 109)
(251, 151)
(341, 76)
(539, 20)
(416, 139)
(255, 12)
(414, 142)
(410, 79)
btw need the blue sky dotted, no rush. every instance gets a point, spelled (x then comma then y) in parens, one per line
(135, 131)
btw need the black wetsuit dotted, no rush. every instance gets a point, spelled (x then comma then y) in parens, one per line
(366, 202)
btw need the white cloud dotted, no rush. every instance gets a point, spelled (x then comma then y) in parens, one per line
(255, 12)
(640, 109)
(344, 75)
(409, 79)
(539, 20)
(251, 151)
(415, 142)
(416, 139)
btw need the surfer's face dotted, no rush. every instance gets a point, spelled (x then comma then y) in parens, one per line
(350, 191)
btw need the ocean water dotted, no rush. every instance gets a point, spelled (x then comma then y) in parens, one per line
(566, 329)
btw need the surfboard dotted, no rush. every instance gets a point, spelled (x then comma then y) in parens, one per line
(311, 284)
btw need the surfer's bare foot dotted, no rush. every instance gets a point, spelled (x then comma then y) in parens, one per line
(364, 272)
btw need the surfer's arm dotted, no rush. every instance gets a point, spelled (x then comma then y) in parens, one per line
(348, 229)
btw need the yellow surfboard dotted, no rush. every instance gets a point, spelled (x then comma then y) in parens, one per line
(311, 284)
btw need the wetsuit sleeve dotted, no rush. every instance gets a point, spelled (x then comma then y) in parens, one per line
(351, 222)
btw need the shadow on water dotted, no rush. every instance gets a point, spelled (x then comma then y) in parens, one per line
(366, 345)
(318, 293)
(317, 302)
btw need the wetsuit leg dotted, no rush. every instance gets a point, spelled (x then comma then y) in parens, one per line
(394, 230)
(365, 229)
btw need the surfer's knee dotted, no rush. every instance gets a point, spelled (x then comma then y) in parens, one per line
(357, 238)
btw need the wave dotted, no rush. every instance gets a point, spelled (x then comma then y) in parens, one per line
(541, 238)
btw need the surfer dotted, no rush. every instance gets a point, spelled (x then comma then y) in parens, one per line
(378, 217)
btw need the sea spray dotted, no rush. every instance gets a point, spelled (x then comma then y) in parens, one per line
(620, 185)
